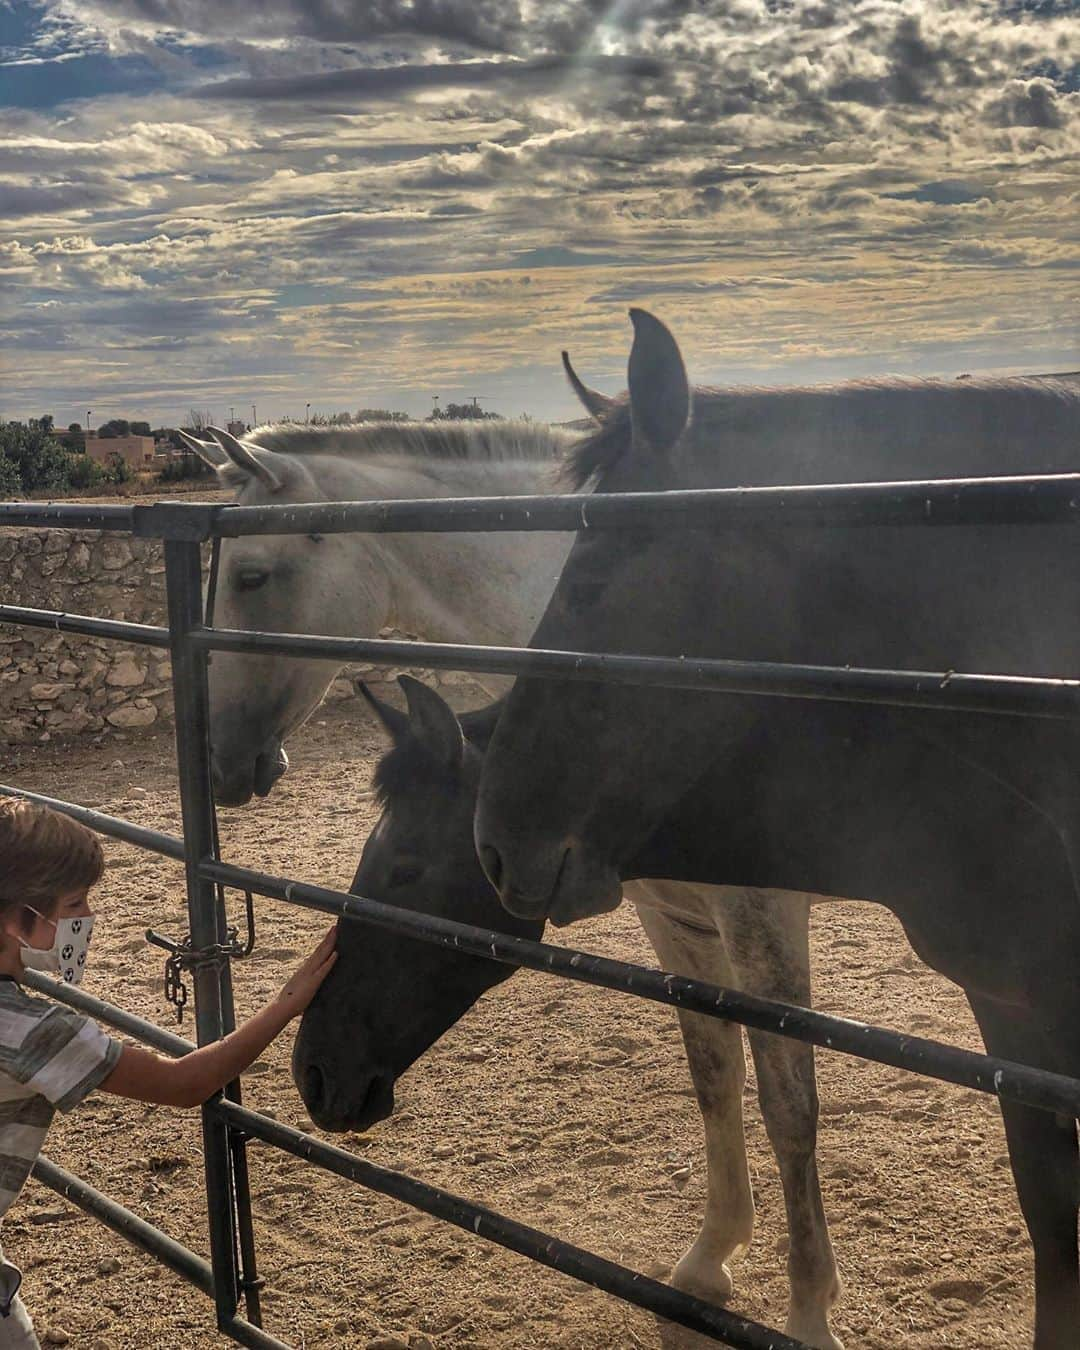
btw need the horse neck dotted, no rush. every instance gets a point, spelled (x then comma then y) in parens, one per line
(480, 588)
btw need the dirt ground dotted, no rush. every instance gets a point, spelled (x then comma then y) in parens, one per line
(567, 1107)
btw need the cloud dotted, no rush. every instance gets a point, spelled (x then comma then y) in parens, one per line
(373, 83)
(1029, 103)
(946, 192)
(347, 196)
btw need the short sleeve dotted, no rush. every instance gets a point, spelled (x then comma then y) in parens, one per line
(64, 1057)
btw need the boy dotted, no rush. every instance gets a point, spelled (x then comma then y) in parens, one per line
(52, 1057)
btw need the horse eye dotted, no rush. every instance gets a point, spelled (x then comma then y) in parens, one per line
(251, 578)
(405, 874)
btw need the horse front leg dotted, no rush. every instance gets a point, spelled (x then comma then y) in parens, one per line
(1045, 1162)
(714, 1053)
(768, 942)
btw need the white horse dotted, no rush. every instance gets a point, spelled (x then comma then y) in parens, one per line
(493, 588)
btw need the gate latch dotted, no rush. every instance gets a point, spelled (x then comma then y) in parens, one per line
(183, 956)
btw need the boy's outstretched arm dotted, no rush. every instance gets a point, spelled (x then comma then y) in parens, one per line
(148, 1077)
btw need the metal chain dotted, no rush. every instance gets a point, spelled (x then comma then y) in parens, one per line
(182, 956)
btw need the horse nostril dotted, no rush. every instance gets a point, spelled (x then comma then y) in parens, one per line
(492, 865)
(314, 1087)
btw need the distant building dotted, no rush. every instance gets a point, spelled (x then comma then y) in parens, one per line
(236, 428)
(136, 451)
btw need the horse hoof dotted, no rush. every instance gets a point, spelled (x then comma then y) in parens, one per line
(708, 1280)
(813, 1331)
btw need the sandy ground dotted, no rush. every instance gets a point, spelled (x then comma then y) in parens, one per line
(567, 1107)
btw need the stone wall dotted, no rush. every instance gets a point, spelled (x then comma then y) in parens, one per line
(59, 684)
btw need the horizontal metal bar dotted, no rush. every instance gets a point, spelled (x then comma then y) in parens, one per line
(441, 1203)
(1035, 1087)
(121, 1220)
(66, 516)
(984, 1073)
(137, 1027)
(714, 1322)
(1015, 695)
(149, 1239)
(142, 634)
(1043, 499)
(114, 826)
(246, 1333)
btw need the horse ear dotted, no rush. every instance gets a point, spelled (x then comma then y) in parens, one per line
(208, 451)
(252, 459)
(434, 723)
(394, 722)
(597, 405)
(659, 389)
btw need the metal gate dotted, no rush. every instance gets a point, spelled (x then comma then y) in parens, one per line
(230, 1276)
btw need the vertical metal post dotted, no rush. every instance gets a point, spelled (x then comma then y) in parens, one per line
(213, 994)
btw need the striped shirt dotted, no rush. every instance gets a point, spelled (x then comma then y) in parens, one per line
(50, 1059)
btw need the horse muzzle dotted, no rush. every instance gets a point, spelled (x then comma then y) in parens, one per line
(557, 882)
(237, 781)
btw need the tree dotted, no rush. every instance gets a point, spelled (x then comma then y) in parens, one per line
(45, 422)
(10, 482)
(117, 426)
(118, 470)
(462, 412)
(39, 460)
(140, 429)
(85, 472)
(75, 429)
(380, 415)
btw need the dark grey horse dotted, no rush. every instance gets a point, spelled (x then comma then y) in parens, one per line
(389, 998)
(965, 825)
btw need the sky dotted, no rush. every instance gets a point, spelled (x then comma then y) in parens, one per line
(214, 204)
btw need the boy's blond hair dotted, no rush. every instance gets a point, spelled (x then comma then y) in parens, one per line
(44, 855)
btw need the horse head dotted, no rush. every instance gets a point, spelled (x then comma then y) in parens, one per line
(558, 812)
(390, 997)
(284, 583)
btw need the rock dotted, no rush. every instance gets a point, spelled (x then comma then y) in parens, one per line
(108, 1265)
(386, 1343)
(128, 716)
(544, 1189)
(45, 693)
(125, 674)
(54, 1215)
(57, 541)
(418, 1341)
(115, 554)
(57, 1336)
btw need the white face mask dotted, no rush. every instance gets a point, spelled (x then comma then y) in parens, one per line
(67, 955)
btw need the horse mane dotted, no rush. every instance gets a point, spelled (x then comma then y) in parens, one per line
(493, 440)
(409, 762)
(715, 410)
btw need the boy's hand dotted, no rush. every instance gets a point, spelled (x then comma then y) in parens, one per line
(303, 985)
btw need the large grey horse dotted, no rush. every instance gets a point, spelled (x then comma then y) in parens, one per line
(579, 775)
